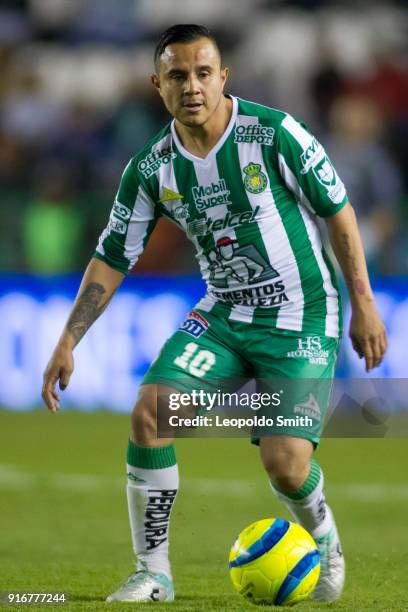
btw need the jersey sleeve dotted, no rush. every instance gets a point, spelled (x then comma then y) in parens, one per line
(132, 220)
(307, 170)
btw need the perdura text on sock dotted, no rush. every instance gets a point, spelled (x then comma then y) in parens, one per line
(157, 516)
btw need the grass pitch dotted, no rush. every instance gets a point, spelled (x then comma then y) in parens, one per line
(64, 527)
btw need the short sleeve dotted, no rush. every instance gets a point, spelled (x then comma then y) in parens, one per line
(307, 170)
(132, 220)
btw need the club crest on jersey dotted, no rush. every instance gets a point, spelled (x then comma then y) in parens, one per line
(150, 164)
(255, 181)
(194, 324)
(254, 132)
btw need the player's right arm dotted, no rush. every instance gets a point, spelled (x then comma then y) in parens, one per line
(98, 285)
(131, 222)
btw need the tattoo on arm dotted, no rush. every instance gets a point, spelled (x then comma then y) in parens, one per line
(86, 311)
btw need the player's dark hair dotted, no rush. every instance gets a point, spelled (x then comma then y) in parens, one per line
(182, 33)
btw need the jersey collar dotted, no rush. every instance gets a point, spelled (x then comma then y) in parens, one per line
(216, 147)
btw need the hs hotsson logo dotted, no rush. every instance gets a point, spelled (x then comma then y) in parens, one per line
(254, 132)
(310, 348)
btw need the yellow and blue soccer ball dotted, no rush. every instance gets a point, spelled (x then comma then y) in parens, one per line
(274, 561)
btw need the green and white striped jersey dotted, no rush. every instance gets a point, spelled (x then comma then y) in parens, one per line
(249, 210)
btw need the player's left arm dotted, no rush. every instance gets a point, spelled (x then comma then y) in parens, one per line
(367, 330)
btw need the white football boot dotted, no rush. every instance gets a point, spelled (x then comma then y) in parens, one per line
(332, 567)
(144, 586)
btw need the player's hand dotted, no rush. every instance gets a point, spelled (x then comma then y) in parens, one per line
(368, 335)
(59, 368)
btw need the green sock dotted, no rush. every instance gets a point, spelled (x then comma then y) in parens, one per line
(309, 484)
(151, 458)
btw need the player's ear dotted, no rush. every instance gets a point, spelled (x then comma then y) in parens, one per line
(224, 75)
(155, 81)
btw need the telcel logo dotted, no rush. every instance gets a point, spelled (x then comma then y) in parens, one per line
(199, 227)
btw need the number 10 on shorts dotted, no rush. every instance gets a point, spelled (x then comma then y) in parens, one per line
(196, 363)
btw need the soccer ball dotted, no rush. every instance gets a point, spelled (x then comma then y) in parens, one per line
(274, 561)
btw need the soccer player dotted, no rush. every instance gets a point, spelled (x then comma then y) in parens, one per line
(245, 183)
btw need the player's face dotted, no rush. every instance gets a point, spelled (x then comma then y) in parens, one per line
(191, 81)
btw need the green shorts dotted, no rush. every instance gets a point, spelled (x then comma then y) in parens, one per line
(207, 349)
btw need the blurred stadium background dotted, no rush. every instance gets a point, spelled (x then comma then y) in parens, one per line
(76, 103)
